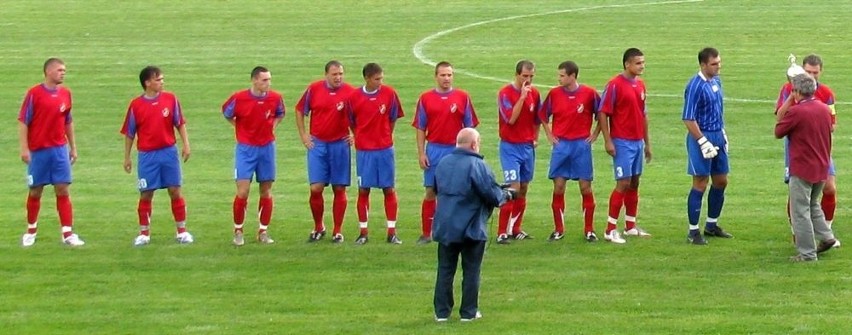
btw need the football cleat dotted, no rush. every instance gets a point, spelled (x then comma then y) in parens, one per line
(477, 316)
(316, 236)
(73, 240)
(591, 237)
(141, 240)
(716, 232)
(28, 240)
(555, 236)
(614, 237)
(338, 238)
(522, 235)
(696, 238)
(424, 240)
(392, 239)
(184, 238)
(503, 239)
(239, 240)
(263, 238)
(362, 239)
(636, 231)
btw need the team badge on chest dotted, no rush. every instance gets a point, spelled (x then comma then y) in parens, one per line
(165, 112)
(454, 108)
(382, 109)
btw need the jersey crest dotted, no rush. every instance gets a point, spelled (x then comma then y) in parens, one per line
(382, 109)
(454, 108)
(166, 112)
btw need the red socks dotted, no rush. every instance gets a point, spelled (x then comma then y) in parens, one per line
(264, 209)
(66, 214)
(616, 200)
(427, 213)
(339, 209)
(317, 207)
(588, 212)
(557, 205)
(179, 213)
(144, 211)
(33, 207)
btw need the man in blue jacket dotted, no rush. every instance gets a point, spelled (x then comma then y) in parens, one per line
(467, 194)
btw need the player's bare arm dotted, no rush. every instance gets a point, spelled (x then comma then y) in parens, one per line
(23, 131)
(303, 134)
(72, 142)
(421, 149)
(516, 109)
(128, 146)
(603, 123)
(595, 133)
(647, 142)
(549, 133)
(185, 152)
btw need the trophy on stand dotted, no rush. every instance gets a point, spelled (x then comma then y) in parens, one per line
(794, 69)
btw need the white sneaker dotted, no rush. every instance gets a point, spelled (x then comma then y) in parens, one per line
(836, 243)
(73, 240)
(437, 319)
(477, 316)
(238, 239)
(263, 238)
(141, 240)
(636, 231)
(184, 238)
(614, 237)
(28, 240)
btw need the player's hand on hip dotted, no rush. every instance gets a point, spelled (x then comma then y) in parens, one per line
(424, 162)
(708, 150)
(128, 165)
(610, 148)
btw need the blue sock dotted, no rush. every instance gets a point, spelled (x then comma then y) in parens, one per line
(715, 200)
(693, 206)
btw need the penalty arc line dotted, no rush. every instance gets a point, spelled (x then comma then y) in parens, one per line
(417, 49)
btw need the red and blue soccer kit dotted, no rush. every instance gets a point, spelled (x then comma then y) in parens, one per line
(517, 152)
(46, 112)
(329, 159)
(152, 122)
(571, 115)
(254, 121)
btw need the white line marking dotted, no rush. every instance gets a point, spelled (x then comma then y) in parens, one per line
(417, 49)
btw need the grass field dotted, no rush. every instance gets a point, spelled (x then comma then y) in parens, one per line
(207, 49)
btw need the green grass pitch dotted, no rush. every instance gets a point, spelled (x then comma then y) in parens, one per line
(659, 285)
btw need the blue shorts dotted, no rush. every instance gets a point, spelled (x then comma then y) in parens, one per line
(518, 162)
(49, 166)
(831, 169)
(375, 168)
(257, 161)
(330, 163)
(629, 158)
(697, 165)
(572, 160)
(158, 169)
(435, 152)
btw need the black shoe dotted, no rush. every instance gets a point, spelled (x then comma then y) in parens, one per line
(826, 245)
(555, 236)
(392, 239)
(522, 235)
(716, 232)
(424, 240)
(800, 258)
(362, 239)
(696, 239)
(503, 239)
(316, 236)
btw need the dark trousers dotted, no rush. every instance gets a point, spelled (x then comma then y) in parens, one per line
(448, 258)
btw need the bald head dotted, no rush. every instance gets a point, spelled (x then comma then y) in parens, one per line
(468, 138)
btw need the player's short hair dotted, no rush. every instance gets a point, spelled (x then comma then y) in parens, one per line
(148, 72)
(50, 61)
(258, 70)
(371, 69)
(706, 54)
(813, 60)
(331, 64)
(629, 54)
(570, 68)
(524, 64)
(804, 84)
(442, 64)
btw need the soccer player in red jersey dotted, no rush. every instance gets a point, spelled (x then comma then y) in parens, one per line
(151, 120)
(441, 113)
(328, 145)
(567, 115)
(254, 113)
(373, 110)
(518, 104)
(48, 148)
(812, 64)
(624, 123)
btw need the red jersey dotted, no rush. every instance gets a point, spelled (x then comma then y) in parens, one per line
(372, 116)
(326, 105)
(624, 101)
(572, 111)
(46, 112)
(823, 93)
(443, 115)
(525, 128)
(152, 121)
(807, 125)
(254, 116)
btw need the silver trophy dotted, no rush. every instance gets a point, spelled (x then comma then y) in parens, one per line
(794, 69)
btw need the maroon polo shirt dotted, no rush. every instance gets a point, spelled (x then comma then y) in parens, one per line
(807, 126)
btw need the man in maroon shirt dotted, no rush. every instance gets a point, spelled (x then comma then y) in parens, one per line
(807, 124)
